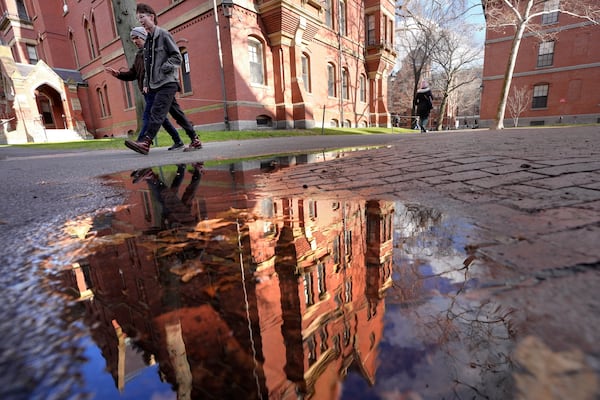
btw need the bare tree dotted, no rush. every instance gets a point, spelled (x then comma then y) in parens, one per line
(467, 97)
(417, 42)
(453, 52)
(518, 101)
(520, 14)
(426, 33)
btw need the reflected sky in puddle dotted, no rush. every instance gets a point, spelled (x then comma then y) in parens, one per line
(207, 284)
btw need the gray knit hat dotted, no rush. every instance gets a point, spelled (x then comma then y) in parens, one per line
(138, 31)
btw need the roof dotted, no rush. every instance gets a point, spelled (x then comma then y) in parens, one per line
(67, 75)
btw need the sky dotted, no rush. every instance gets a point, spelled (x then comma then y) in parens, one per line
(476, 17)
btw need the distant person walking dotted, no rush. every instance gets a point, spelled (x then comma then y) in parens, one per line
(162, 60)
(424, 103)
(136, 72)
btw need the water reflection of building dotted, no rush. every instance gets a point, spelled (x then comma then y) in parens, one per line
(254, 297)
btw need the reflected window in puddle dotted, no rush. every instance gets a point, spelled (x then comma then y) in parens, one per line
(236, 291)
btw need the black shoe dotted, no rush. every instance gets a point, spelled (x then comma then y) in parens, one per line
(177, 146)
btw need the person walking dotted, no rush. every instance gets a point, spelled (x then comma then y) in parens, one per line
(424, 103)
(162, 60)
(136, 72)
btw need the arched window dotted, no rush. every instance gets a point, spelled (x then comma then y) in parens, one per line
(74, 46)
(186, 79)
(128, 94)
(331, 80)
(90, 39)
(256, 61)
(345, 84)
(107, 105)
(101, 103)
(306, 72)
(264, 121)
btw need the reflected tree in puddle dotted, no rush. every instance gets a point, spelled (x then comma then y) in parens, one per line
(456, 342)
(237, 293)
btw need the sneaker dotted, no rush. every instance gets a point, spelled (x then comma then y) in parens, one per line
(140, 174)
(177, 146)
(142, 146)
(195, 145)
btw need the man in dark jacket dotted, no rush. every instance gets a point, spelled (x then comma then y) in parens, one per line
(162, 60)
(424, 103)
(136, 72)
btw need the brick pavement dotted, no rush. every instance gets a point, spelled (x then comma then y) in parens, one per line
(534, 195)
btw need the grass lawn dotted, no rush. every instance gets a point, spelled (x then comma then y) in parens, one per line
(214, 136)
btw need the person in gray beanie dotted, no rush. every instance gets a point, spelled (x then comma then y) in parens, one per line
(162, 62)
(136, 72)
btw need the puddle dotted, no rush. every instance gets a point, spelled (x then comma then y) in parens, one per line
(206, 284)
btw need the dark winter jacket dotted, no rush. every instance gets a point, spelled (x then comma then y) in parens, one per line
(424, 102)
(162, 59)
(136, 72)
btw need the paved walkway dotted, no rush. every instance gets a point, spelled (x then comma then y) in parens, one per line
(533, 194)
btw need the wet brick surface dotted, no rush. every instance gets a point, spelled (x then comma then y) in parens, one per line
(535, 194)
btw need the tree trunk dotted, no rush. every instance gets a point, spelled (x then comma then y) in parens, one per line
(510, 67)
(125, 19)
(443, 106)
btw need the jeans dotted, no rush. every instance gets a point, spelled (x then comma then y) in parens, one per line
(149, 97)
(164, 102)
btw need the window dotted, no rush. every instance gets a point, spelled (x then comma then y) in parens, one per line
(22, 10)
(550, 16)
(363, 89)
(371, 38)
(106, 96)
(306, 72)
(255, 57)
(90, 39)
(128, 93)
(309, 299)
(330, 80)
(540, 96)
(32, 54)
(101, 103)
(345, 84)
(328, 13)
(74, 46)
(545, 54)
(185, 71)
(342, 18)
(321, 279)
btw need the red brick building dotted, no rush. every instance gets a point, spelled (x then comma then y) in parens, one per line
(274, 63)
(560, 72)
